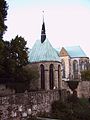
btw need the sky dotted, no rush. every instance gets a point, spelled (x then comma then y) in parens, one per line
(67, 22)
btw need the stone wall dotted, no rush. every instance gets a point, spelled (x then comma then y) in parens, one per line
(22, 105)
(83, 89)
(18, 106)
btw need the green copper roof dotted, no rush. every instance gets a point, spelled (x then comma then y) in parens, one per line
(43, 52)
(75, 51)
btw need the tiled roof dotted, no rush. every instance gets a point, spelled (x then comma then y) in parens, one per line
(75, 51)
(43, 52)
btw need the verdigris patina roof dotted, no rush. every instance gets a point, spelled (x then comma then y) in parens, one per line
(75, 51)
(43, 52)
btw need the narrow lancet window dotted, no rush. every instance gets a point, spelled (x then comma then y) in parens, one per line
(42, 77)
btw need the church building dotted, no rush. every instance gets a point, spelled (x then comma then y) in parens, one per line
(74, 60)
(47, 60)
(54, 66)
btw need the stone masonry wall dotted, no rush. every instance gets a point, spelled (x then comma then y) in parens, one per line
(83, 89)
(18, 106)
(22, 105)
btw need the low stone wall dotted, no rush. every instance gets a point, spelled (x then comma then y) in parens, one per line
(18, 106)
(23, 105)
(83, 89)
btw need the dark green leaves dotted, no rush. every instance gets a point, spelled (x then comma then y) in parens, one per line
(3, 15)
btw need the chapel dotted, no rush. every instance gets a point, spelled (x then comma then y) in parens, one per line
(47, 60)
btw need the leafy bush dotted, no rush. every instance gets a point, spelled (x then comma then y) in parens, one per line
(85, 75)
(22, 78)
(72, 110)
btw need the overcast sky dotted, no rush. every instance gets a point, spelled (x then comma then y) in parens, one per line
(67, 22)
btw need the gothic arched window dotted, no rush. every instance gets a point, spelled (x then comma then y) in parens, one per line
(63, 69)
(58, 75)
(86, 65)
(51, 77)
(75, 69)
(82, 65)
(42, 77)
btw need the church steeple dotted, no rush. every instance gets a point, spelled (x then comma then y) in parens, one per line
(43, 34)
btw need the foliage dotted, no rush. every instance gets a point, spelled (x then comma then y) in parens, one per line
(3, 15)
(13, 55)
(32, 72)
(6, 58)
(19, 51)
(85, 75)
(13, 58)
(73, 98)
(72, 110)
(22, 78)
(73, 84)
(1, 57)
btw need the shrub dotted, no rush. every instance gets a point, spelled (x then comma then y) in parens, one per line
(85, 75)
(77, 110)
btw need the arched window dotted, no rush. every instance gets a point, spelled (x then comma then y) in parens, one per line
(63, 69)
(51, 77)
(82, 65)
(86, 65)
(58, 75)
(75, 69)
(42, 77)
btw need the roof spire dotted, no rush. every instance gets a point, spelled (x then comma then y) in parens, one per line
(43, 34)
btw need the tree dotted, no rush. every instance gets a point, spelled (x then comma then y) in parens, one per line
(13, 56)
(4, 61)
(3, 15)
(1, 58)
(19, 51)
(3, 27)
(24, 77)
